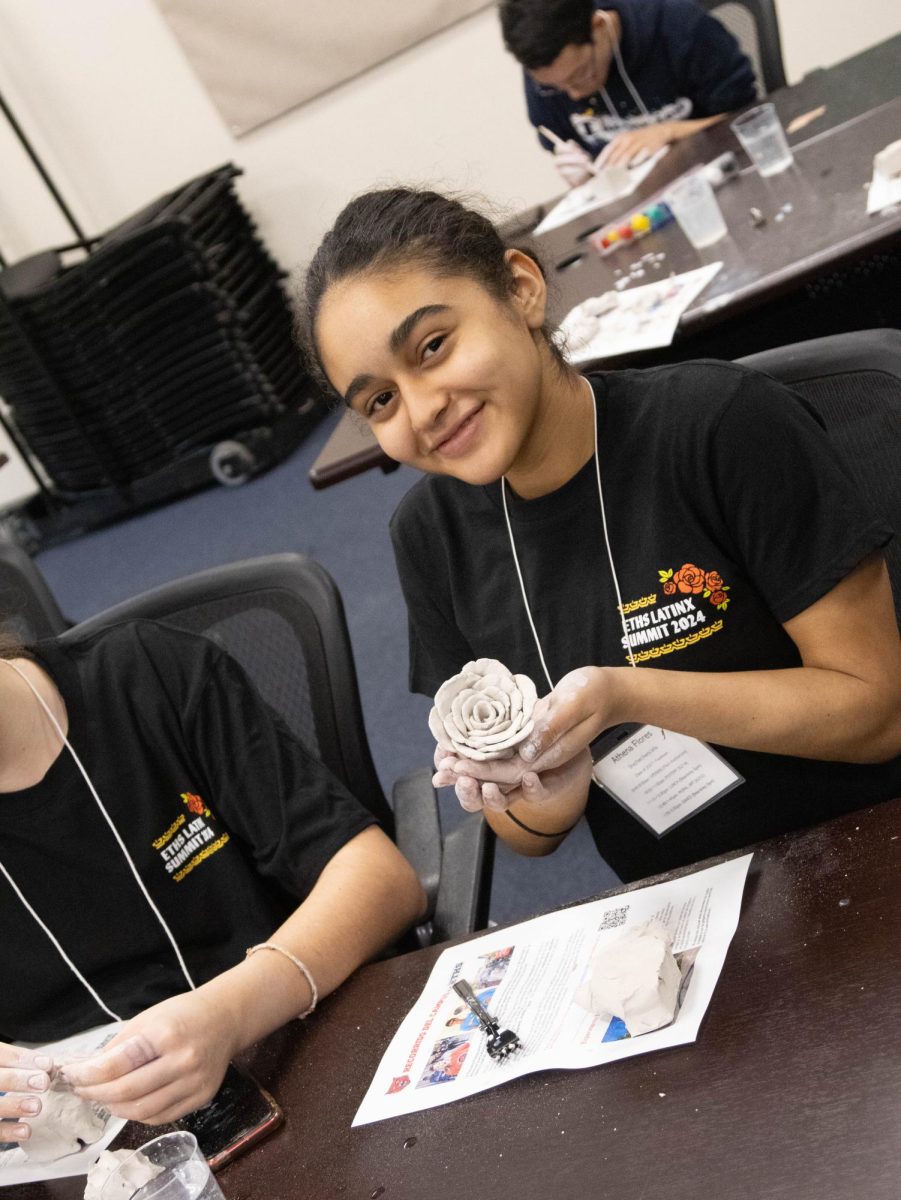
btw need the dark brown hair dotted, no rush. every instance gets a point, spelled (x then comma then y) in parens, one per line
(404, 227)
(10, 646)
(536, 31)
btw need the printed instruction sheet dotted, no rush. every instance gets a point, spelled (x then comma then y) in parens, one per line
(638, 318)
(528, 976)
(603, 188)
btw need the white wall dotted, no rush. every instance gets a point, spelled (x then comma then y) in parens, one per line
(113, 107)
(818, 33)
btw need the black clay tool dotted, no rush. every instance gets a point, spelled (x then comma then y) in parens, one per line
(501, 1042)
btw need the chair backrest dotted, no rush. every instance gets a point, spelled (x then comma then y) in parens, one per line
(753, 23)
(27, 607)
(854, 382)
(282, 619)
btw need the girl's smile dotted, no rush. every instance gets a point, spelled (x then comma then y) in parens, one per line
(462, 436)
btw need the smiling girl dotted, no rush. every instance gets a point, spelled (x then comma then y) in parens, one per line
(676, 549)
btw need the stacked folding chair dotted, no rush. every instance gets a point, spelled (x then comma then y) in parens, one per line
(162, 359)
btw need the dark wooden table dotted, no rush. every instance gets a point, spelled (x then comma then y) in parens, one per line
(827, 225)
(792, 1090)
(754, 301)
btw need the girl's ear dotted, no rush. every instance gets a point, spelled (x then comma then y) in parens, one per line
(529, 291)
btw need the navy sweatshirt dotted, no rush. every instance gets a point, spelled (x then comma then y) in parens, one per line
(683, 63)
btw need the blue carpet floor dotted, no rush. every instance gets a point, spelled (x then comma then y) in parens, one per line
(346, 529)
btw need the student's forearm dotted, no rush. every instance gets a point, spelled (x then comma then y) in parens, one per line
(808, 712)
(678, 130)
(543, 810)
(365, 897)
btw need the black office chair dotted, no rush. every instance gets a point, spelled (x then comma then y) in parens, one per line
(27, 607)
(753, 23)
(854, 382)
(281, 617)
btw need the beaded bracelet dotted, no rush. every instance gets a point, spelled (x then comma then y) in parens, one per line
(300, 966)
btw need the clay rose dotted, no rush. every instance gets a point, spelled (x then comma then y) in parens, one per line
(484, 711)
(714, 581)
(689, 578)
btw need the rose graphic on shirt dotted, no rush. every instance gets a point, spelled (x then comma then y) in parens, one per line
(689, 579)
(195, 803)
(692, 580)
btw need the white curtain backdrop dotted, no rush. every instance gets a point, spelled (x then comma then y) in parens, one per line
(258, 60)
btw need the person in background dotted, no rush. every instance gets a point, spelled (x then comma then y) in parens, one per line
(678, 547)
(616, 81)
(201, 827)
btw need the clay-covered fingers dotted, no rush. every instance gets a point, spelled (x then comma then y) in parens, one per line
(143, 1094)
(558, 746)
(493, 798)
(24, 1075)
(545, 787)
(445, 763)
(506, 772)
(160, 1090)
(167, 1060)
(451, 767)
(442, 751)
(119, 1058)
(477, 785)
(566, 721)
(152, 1095)
(469, 793)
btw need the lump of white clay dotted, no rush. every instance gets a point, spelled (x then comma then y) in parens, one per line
(64, 1126)
(635, 978)
(484, 711)
(140, 1170)
(583, 322)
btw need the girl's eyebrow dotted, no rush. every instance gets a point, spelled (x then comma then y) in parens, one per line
(395, 341)
(409, 323)
(357, 384)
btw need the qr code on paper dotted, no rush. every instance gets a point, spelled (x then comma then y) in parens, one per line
(614, 918)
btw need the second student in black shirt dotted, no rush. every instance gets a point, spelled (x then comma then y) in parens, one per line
(201, 827)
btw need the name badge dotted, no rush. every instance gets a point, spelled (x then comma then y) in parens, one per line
(661, 777)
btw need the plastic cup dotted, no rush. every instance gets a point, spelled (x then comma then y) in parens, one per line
(184, 1174)
(695, 207)
(760, 132)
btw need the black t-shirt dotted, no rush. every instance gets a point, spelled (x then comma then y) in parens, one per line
(228, 819)
(728, 514)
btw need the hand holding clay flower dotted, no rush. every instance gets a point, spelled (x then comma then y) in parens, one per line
(484, 712)
(482, 718)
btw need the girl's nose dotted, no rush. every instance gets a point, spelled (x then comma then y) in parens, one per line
(425, 404)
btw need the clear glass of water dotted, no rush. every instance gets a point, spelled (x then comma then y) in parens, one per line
(695, 207)
(180, 1172)
(760, 132)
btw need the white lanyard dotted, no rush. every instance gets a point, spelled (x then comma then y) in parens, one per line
(704, 775)
(522, 586)
(134, 870)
